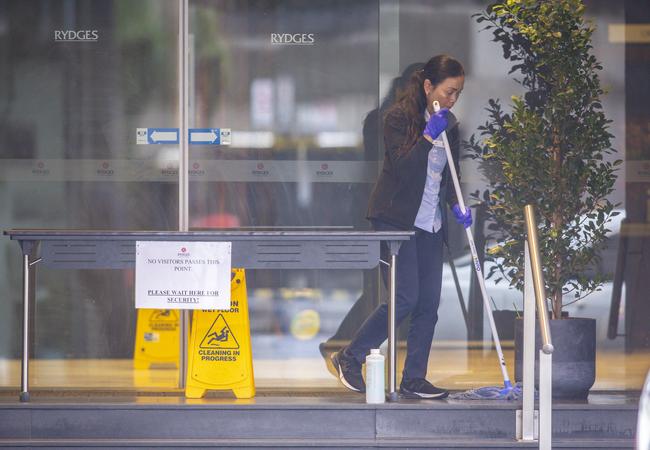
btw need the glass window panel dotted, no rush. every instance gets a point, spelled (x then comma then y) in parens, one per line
(299, 84)
(78, 79)
(294, 82)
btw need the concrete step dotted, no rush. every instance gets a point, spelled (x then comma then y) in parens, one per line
(333, 421)
(439, 444)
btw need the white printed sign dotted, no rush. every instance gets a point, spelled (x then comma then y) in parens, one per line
(182, 275)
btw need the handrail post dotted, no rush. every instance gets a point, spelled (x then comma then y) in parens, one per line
(526, 429)
(545, 400)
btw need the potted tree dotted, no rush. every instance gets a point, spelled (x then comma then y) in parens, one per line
(549, 150)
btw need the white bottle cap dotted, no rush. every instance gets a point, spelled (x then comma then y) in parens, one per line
(374, 351)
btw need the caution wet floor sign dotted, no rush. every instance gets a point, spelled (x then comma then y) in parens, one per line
(219, 337)
(220, 347)
(156, 338)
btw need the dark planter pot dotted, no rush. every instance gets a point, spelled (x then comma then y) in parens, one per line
(504, 319)
(574, 355)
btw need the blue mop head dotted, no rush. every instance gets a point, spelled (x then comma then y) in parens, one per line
(507, 392)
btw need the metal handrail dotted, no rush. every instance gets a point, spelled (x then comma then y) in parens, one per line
(533, 275)
(538, 279)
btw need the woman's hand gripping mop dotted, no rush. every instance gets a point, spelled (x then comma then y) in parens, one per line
(508, 392)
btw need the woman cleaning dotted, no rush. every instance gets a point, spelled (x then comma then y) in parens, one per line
(410, 194)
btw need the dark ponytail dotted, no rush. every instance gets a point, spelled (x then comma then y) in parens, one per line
(412, 101)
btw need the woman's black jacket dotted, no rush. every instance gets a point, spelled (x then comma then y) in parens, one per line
(397, 195)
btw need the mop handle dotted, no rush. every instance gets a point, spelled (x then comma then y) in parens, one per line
(472, 246)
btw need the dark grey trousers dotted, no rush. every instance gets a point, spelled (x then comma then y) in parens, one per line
(418, 284)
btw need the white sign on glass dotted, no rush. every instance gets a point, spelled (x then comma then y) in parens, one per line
(182, 275)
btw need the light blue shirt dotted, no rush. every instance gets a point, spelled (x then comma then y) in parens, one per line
(429, 216)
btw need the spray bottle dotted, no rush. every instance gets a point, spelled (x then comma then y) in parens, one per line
(375, 391)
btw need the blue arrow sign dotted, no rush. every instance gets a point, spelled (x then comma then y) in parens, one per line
(205, 136)
(162, 135)
(197, 136)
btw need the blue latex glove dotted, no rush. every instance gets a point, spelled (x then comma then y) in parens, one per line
(464, 219)
(436, 124)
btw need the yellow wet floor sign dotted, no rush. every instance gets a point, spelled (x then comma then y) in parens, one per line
(219, 355)
(157, 338)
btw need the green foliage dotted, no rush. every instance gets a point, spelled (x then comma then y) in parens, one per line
(549, 150)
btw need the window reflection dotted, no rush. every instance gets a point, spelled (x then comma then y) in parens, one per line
(295, 82)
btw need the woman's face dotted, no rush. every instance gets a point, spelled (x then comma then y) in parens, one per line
(446, 92)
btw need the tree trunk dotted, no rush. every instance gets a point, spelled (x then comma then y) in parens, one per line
(557, 224)
(557, 304)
